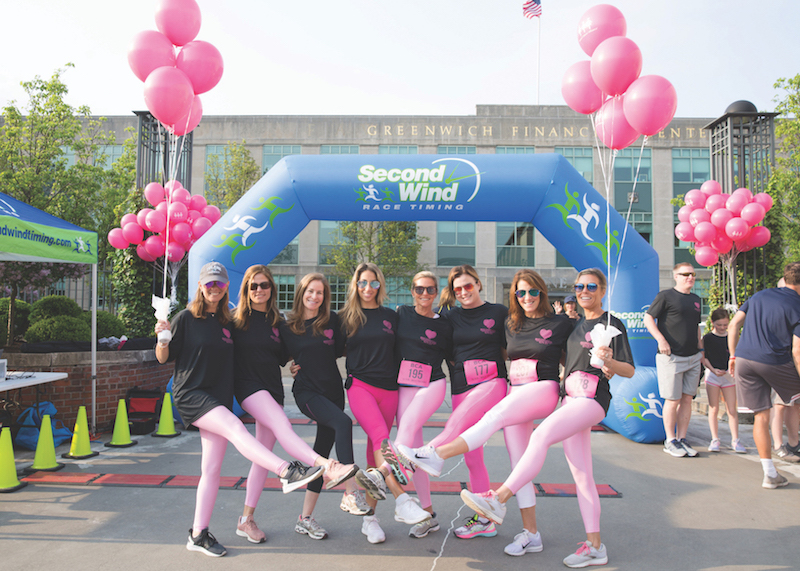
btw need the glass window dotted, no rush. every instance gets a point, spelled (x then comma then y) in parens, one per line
(455, 243)
(213, 151)
(285, 293)
(339, 150)
(398, 292)
(515, 247)
(581, 158)
(329, 234)
(397, 150)
(561, 261)
(288, 255)
(456, 150)
(690, 169)
(338, 291)
(700, 289)
(271, 154)
(515, 150)
(633, 189)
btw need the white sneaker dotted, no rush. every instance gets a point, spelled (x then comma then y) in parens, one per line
(587, 555)
(423, 528)
(738, 447)
(424, 457)
(407, 510)
(714, 445)
(355, 503)
(524, 542)
(488, 505)
(372, 529)
(373, 482)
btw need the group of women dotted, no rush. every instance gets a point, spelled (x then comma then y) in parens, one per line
(394, 363)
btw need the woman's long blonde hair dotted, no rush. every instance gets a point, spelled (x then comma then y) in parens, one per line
(197, 306)
(295, 318)
(448, 298)
(352, 316)
(243, 311)
(516, 315)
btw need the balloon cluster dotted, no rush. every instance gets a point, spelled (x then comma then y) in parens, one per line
(722, 224)
(627, 105)
(176, 221)
(174, 67)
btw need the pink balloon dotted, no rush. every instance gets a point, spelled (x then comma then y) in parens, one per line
(181, 233)
(179, 20)
(705, 232)
(191, 120)
(200, 227)
(168, 94)
(156, 221)
(162, 208)
(744, 192)
(177, 213)
(720, 217)
(684, 212)
(202, 62)
(155, 246)
(764, 200)
(127, 219)
(612, 127)
(579, 90)
(698, 245)
(737, 229)
(192, 216)
(198, 202)
(736, 202)
(714, 202)
(710, 187)
(722, 243)
(117, 240)
(175, 252)
(650, 104)
(154, 193)
(172, 185)
(695, 199)
(684, 232)
(141, 218)
(753, 213)
(598, 24)
(150, 50)
(706, 256)
(616, 63)
(181, 195)
(133, 233)
(697, 216)
(759, 236)
(142, 252)
(743, 245)
(212, 213)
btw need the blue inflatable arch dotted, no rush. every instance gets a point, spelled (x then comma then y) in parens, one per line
(542, 188)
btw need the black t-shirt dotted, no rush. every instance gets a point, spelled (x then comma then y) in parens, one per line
(316, 355)
(259, 356)
(424, 339)
(541, 338)
(578, 358)
(370, 351)
(677, 316)
(478, 333)
(716, 348)
(203, 353)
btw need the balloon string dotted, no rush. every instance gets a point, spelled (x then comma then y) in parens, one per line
(607, 168)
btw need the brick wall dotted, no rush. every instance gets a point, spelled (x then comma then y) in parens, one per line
(117, 371)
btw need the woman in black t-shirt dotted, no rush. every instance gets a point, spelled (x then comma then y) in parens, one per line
(202, 348)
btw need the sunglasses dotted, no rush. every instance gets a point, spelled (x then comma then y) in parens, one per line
(220, 285)
(520, 293)
(687, 274)
(589, 287)
(419, 290)
(466, 287)
(263, 285)
(374, 284)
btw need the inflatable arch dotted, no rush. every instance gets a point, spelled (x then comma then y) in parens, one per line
(542, 188)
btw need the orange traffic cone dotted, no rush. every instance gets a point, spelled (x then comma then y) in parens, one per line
(45, 458)
(8, 470)
(80, 447)
(166, 423)
(121, 438)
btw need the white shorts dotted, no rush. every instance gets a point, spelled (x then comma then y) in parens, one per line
(722, 382)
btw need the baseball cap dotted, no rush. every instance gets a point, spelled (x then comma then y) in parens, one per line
(213, 271)
(570, 299)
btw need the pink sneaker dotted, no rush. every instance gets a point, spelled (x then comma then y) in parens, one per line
(338, 474)
(249, 529)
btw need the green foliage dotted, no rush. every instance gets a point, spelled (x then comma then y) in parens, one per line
(22, 312)
(108, 324)
(53, 306)
(60, 328)
(230, 174)
(784, 186)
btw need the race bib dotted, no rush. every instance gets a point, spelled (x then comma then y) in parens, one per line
(479, 371)
(413, 374)
(523, 371)
(581, 384)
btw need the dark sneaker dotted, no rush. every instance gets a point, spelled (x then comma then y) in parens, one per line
(785, 454)
(389, 455)
(794, 449)
(771, 483)
(299, 475)
(674, 448)
(690, 452)
(205, 543)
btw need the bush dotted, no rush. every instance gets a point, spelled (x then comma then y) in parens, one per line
(22, 311)
(108, 324)
(53, 306)
(59, 328)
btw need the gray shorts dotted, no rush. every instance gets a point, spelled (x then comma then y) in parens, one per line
(678, 375)
(755, 381)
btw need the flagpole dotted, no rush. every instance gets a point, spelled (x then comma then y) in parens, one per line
(538, 57)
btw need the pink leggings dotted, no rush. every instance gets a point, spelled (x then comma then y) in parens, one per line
(515, 414)
(271, 425)
(218, 427)
(468, 408)
(572, 425)
(374, 410)
(415, 406)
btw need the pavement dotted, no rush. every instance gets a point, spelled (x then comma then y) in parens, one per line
(661, 513)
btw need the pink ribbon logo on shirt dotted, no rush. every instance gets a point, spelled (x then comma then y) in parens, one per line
(429, 337)
(488, 324)
(387, 327)
(544, 337)
(329, 334)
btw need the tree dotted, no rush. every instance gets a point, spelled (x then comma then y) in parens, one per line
(784, 185)
(230, 174)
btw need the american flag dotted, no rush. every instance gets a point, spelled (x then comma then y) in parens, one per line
(532, 9)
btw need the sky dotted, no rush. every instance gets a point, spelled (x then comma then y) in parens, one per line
(407, 57)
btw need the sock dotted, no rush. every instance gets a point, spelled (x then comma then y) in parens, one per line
(768, 467)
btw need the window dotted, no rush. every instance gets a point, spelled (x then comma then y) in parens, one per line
(288, 255)
(690, 169)
(271, 154)
(339, 287)
(285, 293)
(581, 158)
(339, 150)
(329, 234)
(397, 150)
(700, 289)
(561, 261)
(212, 151)
(515, 150)
(633, 188)
(105, 156)
(515, 246)
(398, 292)
(456, 150)
(455, 243)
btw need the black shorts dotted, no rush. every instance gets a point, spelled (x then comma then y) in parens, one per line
(755, 382)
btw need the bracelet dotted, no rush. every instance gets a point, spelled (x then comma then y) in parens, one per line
(731, 358)
(163, 345)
